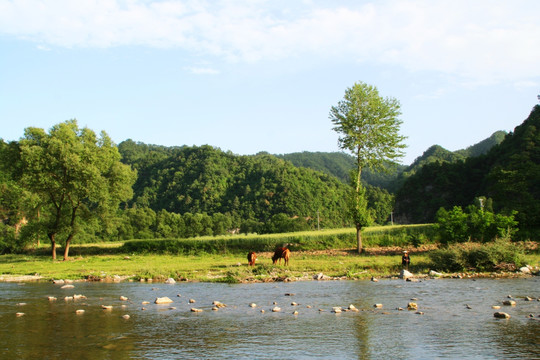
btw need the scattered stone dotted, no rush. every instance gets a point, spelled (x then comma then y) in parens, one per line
(58, 281)
(215, 308)
(411, 279)
(79, 312)
(21, 304)
(308, 306)
(501, 315)
(509, 303)
(468, 306)
(404, 274)
(19, 314)
(125, 317)
(219, 304)
(170, 281)
(510, 297)
(496, 307)
(378, 306)
(123, 298)
(262, 311)
(51, 298)
(419, 313)
(127, 258)
(67, 286)
(295, 312)
(276, 309)
(146, 302)
(400, 309)
(274, 303)
(374, 279)
(434, 273)
(321, 310)
(196, 310)
(294, 304)
(163, 300)
(352, 307)
(191, 301)
(289, 294)
(528, 298)
(106, 307)
(79, 297)
(179, 295)
(412, 306)
(337, 309)
(318, 276)
(531, 316)
(68, 298)
(172, 308)
(525, 270)
(253, 305)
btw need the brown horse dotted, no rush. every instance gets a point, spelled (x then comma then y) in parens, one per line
(252, 257)
(281, 253)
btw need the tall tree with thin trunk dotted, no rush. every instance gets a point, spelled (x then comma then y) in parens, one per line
(76, 174)
(368, 127)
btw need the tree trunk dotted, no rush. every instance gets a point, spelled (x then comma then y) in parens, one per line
(72, 232)
(66, 250)
(359, 238)
(53, 244)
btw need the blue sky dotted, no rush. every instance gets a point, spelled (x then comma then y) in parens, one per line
(250, 76)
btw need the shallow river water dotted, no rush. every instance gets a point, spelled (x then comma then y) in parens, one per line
(447, 329)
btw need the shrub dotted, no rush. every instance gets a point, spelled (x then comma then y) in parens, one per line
(474, 224)
(480, 257)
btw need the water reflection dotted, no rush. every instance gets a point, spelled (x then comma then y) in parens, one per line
(447, 328)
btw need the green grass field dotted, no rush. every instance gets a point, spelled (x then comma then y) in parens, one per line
(330, 252)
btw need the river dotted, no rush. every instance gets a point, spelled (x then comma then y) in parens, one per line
(454, 320)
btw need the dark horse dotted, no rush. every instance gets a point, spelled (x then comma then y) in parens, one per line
(281, 253)
(251, 258)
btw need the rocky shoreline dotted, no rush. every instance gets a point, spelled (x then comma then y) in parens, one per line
(525, 272)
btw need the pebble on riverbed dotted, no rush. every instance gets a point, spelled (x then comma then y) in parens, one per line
(509, 303)
(163, 300)
(501, 315)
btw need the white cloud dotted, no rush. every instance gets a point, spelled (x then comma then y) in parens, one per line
(480, 41)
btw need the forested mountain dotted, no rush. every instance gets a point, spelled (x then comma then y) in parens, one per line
(207, 180)
(339, 164)
(509, 174)
(483, 146)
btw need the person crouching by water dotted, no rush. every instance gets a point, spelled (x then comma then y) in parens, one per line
(405, 260)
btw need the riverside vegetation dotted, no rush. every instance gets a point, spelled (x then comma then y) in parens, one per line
(223, 259)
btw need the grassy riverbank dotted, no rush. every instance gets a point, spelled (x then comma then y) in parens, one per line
(223, 259)
(343, 264)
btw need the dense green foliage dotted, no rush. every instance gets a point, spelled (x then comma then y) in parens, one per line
(509, 174)
(340, 164)
(498, 255)
(254, 189)
(473, 224)
(74, 178)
